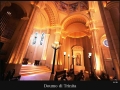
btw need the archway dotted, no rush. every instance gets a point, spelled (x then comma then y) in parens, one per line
(77, 52)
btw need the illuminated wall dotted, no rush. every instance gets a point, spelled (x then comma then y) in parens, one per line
(37, 47)
(67, 45)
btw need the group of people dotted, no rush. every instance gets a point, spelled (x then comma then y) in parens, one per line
(69, 76)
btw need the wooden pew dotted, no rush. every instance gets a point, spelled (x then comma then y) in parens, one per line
(70, 72)
(60, 76)
(9, 76)
(79, 76)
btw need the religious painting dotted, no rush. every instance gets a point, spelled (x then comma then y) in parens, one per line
(73, 7)
(83, 5)
(61, 5)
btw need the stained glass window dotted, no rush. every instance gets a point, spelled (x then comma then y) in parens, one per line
(35, 38)
(42, 38)
(105, 43)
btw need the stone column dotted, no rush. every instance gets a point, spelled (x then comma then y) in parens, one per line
(44, 54)
(113, 8)
(112, 17)
(57, 40)
(20, 48)
(98, 60)
(21, 27)
(93, 52)
(94, 37)
(104, 13)
(13, 48)
(26, 36)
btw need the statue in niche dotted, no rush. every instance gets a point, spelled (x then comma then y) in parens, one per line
(78, 60)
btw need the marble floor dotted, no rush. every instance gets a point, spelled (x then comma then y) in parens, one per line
(33, 73)
(36, 77)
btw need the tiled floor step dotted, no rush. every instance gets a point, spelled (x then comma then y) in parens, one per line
(31, 69)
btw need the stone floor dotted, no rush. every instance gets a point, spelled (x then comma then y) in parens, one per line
(36, 73)
(31, 72)
(36, 77)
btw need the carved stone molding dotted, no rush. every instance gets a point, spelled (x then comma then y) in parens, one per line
(77, 48)
(74, 20)
(50, 15)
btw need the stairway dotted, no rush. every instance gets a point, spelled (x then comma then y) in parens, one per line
(31, 69)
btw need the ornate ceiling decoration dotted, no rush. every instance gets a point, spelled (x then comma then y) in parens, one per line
(71, 6)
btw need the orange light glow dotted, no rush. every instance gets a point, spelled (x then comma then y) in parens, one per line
(11, 59)
(56, 42)
(59, 63)
(16, 62)
(55, 62)
(32, 2)
(97, 63)
(104, 3)
(111, 78)
(65, 69)
(44, 57)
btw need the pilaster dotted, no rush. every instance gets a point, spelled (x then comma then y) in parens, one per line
(111, 36)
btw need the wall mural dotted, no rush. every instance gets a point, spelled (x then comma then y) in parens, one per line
(83, 6)
(73, 7)
(62, 6)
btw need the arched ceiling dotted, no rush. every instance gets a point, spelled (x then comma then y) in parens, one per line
(75, 27)
(76, 30)
(74, 20)
(72, 25)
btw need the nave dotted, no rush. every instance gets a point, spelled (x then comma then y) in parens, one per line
(42, 73)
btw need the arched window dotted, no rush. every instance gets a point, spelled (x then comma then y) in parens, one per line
(35, 38)
(42, 38)
(105, 43)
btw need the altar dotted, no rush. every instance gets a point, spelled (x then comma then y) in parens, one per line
(78, 58)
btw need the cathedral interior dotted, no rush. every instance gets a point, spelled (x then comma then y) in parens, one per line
(60, 37)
